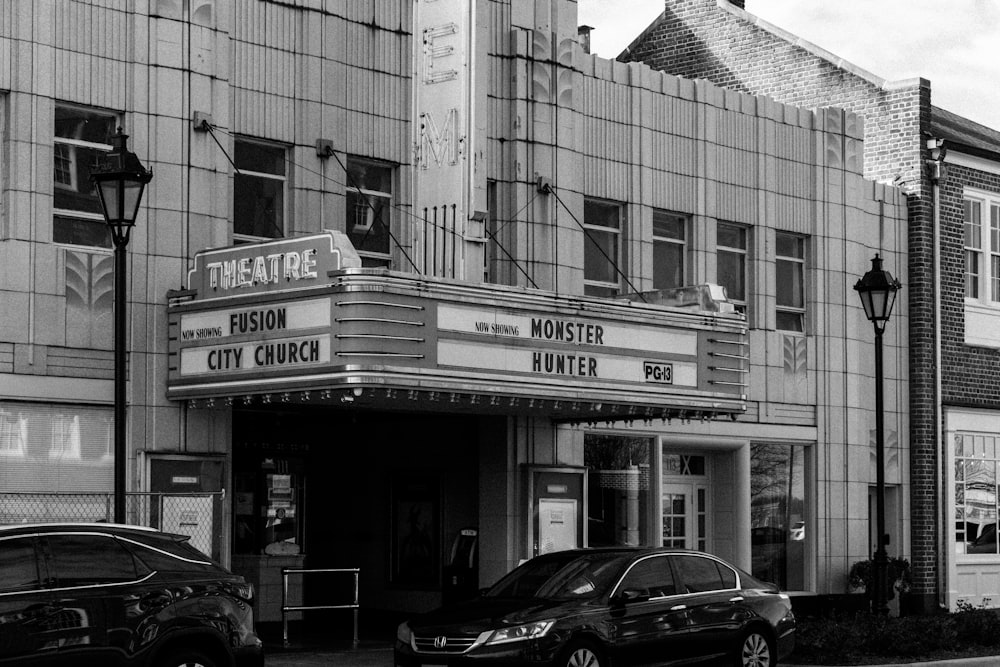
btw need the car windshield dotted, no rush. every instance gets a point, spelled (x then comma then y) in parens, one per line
(558, 577)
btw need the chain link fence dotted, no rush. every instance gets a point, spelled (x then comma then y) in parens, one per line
(198, 515)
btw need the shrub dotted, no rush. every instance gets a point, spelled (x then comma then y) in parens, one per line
(868, 639)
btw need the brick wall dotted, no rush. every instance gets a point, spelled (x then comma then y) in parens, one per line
(719, 42)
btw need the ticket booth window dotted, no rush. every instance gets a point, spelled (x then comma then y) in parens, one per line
(618, 471)
(268, 508)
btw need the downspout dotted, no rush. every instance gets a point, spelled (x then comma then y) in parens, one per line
(938, 172)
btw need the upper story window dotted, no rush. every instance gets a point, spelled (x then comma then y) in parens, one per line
(258, 191)
(602, 220)
(669, 249)
(982, 249)
(731, 262)
(789, 289)
(369, 210)
(80, 139)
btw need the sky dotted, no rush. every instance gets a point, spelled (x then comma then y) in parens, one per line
(955, 44)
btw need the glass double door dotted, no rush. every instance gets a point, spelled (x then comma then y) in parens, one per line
(685, 514)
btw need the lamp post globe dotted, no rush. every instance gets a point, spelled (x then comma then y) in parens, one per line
(120, 180)
(877, 289)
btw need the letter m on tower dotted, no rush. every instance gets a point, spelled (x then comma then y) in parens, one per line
(438, 145)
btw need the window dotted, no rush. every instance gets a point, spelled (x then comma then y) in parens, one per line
(650, 576)
(80, 139)
(669, 249)
(618, 489)
(790, 282)
(699, 574)
(976, 460)
(777, 514)
(982, 250)
(602, 222)
(13, 433)
(369, 210)
(731, 263)
(258, 191)
(72, 560)
(65, 437)
(18, 565)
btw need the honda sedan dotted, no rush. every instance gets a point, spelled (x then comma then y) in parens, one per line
(595, 607)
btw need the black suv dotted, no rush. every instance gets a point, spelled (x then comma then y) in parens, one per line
(81, 594)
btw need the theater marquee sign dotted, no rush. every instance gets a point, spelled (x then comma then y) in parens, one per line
(369, 337)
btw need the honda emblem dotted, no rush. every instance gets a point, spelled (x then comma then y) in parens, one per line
(440, 642)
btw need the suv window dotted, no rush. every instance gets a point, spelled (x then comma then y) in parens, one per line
(700, 574)
(84, 560)
(18, 565)
(650, 576)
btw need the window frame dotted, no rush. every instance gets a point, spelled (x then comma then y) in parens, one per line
(284, 179)
(788, 309)
(984, 281)
(601, 288)
(741, 304)
(86, 217)
(668, 241)
(372, 257)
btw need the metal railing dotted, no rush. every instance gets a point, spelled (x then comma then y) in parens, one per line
(193, 514)
(285, 608)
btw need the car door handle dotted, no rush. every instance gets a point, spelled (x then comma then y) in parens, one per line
(679, 607)
(738, 598)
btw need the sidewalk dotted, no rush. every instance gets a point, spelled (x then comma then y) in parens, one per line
(367, 654)
(379, 654)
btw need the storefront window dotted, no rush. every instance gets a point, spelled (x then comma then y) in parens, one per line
(618, 489)
(777, 514)
(267, 504)
(976, 459)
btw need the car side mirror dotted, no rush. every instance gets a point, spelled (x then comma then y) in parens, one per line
(631, 596)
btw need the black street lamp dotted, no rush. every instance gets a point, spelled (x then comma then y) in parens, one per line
(120, 180)
(877, 290)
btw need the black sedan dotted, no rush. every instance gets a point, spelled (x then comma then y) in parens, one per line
(105, 594)
(621, 606)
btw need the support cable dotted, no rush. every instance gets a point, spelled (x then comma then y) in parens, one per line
(548, 188)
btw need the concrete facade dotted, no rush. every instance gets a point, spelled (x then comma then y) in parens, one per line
(189, 80)
(719, 41)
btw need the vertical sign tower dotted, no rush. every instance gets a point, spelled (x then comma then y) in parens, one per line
(450, 74)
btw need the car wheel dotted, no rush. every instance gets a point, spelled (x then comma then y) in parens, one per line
(582, 653)
(755, 651)
(187, 658)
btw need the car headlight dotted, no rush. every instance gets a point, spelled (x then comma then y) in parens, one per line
(403, 633)
(520, 632)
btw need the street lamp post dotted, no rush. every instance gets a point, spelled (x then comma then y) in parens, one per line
(877, 290)
(120, 180)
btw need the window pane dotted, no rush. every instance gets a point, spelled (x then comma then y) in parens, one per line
(731, 236)
(789, 246)
(73, 559)
(976, 494)
(618, 489)
(697, 574)
(601, 214)
(668, 225)
(368, 175)
(652, 577)
(732, 273)
(668, 265)
(18, 565)
(777, 514)
(251, 156)
(785, 321)
(972, 274)
(79, 231)
(600, 251)
(368, 218)
(258, 206)
(973, 224)
(85, 125)
(789, 284)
